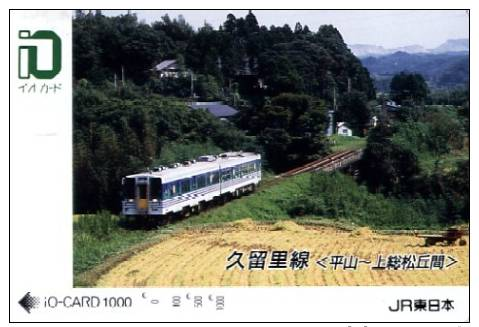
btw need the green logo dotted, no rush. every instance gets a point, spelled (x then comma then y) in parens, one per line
(28, 55)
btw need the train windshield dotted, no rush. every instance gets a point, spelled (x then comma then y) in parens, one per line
(155, 188)
(129, 188)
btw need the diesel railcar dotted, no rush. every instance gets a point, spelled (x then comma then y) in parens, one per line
(187, 187)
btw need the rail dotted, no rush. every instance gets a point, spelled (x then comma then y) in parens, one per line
(329, 163)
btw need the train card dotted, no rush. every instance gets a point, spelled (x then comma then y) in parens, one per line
(241, 165)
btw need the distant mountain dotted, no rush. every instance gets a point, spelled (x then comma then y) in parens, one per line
(441, 70)
(368, 50)
(456, 45)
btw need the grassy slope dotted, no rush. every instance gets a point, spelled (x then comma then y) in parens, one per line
(447, 162)
(263, 205)
(341, 143)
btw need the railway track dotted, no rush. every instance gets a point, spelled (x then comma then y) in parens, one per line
(329, 163)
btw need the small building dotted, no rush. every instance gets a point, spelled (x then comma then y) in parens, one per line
(388, 110)
(391, 106)
(343, 129)
(217, 109)
(169, 69)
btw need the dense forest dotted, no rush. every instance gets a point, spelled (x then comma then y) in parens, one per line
(283, 81)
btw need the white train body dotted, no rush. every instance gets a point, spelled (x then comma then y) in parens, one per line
(188, 187)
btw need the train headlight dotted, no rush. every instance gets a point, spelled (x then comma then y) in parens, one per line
(154, 200)
(130, 200)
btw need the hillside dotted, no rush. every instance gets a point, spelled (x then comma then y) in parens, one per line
(444, 70)
(371, 50)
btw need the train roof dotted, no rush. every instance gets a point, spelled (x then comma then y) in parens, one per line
(202, 164)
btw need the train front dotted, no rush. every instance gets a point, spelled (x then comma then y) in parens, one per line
(141, 195)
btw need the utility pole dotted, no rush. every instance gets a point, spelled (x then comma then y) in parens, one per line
(122, 76)
(192, 87)
(334, 99)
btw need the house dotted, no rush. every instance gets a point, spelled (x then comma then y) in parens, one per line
(343, 129)
(217, 109)
(388, 110)
(169, 68)
(391, 106)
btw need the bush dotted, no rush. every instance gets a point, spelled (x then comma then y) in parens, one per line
(99, 226)
(338, 196)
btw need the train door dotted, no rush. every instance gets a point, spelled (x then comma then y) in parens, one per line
(142, 194)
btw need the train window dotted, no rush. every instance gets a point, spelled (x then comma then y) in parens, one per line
(226, 174)
(194, 183)
(174, 188)
(185, 186)
(166, 191)
(216, 177)
(129, 188)
(155, 188)
(201, 181)
(243, 170)
(142, 191)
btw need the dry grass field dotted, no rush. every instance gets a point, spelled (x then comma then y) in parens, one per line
(199, 257)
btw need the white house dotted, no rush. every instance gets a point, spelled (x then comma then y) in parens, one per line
(343, 129)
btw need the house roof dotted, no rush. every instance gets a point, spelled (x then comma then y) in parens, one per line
(164, 65)
(217, 109)
(342, 124)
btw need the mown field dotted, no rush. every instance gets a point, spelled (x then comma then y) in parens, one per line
(199, 258)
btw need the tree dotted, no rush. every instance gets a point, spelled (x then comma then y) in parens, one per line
(291, 130)
(298, 28)
(385, 166)
(354, 109)
(408, 88)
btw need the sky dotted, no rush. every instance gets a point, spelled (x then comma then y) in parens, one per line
(387, 28)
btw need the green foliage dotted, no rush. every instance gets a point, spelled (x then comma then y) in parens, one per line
(171, 86)
(287, 61)
(337, 196)
(354, 109)
(100, 235)
(179, 152)
(264, 205)
(342, 143)
(408, 88)
(103, 45)
(291, 130)
(386, 166)
(454, 97)
(423, 157)
(117, 135)
(100, 226)
(207, 88)
(446, 131)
